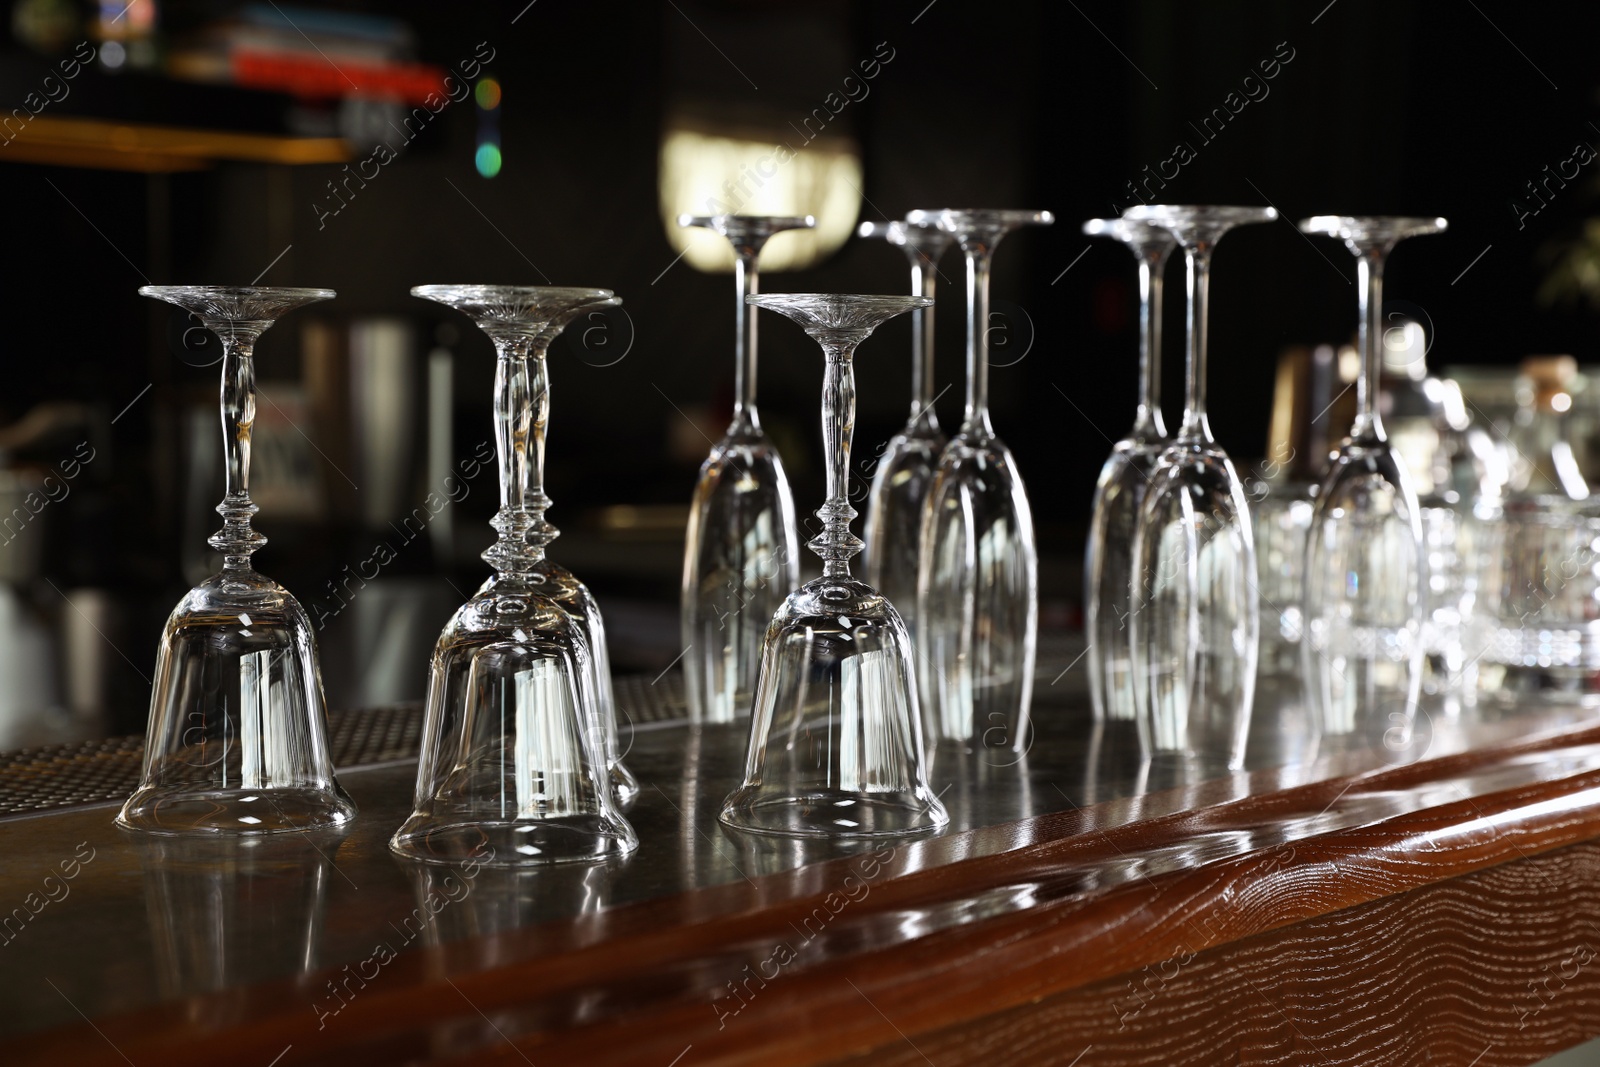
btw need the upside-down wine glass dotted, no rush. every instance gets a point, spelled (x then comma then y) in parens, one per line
(978, 585)
(1196, 615)
(835, 739)
(1366, 575)
(237, 741)
(905, 470)
(741, 555)
(514, 768)
(1108, 560)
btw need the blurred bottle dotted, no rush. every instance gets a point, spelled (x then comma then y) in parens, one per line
(1311, 409)
(1541, 593)
(128, 32)
(1461, 515)
(27, 652)
(1468, 467)
(1458, 474)
(1411, 412)
(1544, 464)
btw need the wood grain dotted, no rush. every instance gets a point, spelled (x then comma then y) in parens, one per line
(1493, 969)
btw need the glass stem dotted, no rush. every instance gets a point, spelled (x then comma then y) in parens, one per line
(977, 413)
(747, 282)
(1147, 421)
(541, 533)
(1195, 424)
(836, 544)
(236, 540)
(923, 272)
(519, 389)
(1368, 426)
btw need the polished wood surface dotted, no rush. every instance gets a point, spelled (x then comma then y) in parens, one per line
(1343, 912)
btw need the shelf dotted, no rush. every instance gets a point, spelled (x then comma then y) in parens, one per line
(102, 145)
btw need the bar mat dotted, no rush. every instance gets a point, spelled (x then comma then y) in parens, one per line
(57, 776)
(91, 772)
(642, 700)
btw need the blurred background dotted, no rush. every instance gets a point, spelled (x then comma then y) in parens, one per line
(372, 147)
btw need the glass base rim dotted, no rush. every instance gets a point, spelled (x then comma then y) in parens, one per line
(742, 814)
(433, 840)
(338, 811)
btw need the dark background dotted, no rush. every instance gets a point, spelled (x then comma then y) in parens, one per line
(1396, 107)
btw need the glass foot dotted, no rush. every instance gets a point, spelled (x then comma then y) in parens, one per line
(175, 810)
(509, 843)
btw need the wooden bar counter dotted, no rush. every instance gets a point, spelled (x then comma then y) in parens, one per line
(1430, 902)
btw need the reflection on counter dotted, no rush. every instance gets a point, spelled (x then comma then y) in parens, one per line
(228, 911)
(477, 901)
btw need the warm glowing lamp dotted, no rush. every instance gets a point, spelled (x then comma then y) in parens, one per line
(758, 170)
